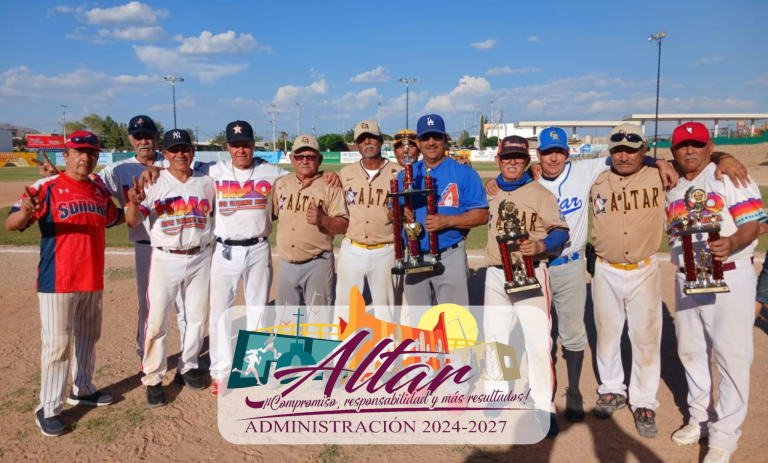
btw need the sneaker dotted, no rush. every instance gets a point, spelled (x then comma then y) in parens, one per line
(155, 396)
(217, 385)
(717, 456)
(609, 403)
(574, 405)
(689, 434)
(193, 380)
(51, 427)
(645, 422)
(554, 428)
(97, 399)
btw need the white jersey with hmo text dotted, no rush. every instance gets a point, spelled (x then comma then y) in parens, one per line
(243, 198)
(179, 214)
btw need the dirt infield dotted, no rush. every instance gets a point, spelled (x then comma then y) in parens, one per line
(186, 429)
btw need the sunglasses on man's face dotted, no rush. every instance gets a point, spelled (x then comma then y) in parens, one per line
(435, 135)
(305, 157)
(630, 137)
(401, 136)
(506, 158)
(88, 140)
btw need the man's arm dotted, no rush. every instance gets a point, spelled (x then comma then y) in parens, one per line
(470, 219)
(730, 166)
(30, 206)
(745, 234)
(136, 195)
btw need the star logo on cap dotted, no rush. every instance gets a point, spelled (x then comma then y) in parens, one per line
(237, 129)
(599, 204)
(140, 121)
(176, 134)
(554, 135)
(689, 130)
(430, 121)
(364, 125)
(304, 140)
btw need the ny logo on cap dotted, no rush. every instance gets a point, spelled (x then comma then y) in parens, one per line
(237, 128)
(140, 121)
(364, 125)
(430, 121)
(689, 129)
(554, 135)
(176, 134)
(304, 140)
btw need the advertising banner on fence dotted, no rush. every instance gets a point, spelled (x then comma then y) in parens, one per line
(17, 159)
(104, 159)
(45, 141)
(350, 156)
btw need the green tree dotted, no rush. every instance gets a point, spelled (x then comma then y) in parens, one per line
(94, 123)
(468, 142)
(491, 142)
(220, 139)
(349, 137)
(160, 129)
(258, 138)
(331, 142)
(76, 125)
(191, 135)
(387, 137)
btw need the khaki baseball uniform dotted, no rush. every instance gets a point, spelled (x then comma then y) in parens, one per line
(306, 251)
(628, 217)
(367, 252)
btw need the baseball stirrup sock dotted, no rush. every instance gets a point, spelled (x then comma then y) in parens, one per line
(573, 360)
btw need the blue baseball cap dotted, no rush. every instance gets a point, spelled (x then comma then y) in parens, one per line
(431, 123)
(553, 137)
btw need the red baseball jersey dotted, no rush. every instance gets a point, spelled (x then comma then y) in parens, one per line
(72, 223)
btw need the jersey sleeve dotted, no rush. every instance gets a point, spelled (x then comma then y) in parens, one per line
(744, 204)
(337, 205)
(473, 191)
(203, 168)
(114, 213)
(34, 188)
(595, 167)
(108, 179)
(550, 214)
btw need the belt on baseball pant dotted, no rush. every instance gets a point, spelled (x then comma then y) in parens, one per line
(455, 246)
(248, 242)
(564, 259)
(643, 263)
(143, 242)
(727, 267)
(366, 246)
(537, 264)
(185, 252)
(309, 260)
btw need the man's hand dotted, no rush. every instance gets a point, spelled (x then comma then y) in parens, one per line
(331, 179)
(31, 203)
(535, 171)
(531, 247)
(315, 215)
(492, 187)
(408, 214)
(149, 176)
(730, 166)
(136, 193)
(667, 173)
(437, 222)
(722, 248)
(463, 160)
(45, 169)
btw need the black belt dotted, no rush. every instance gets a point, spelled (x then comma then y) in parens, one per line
(248, 242)
(455, 246)
(186, 252)
(536, 264)
(309, 260)
(143, 242)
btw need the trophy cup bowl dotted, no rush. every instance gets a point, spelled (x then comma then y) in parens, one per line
(700, 278)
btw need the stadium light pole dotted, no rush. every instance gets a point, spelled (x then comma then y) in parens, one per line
(407, 83)
(657, 37)
(298, 119)
(173, 81)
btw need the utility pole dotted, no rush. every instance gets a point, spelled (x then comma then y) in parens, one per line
(343, 129)
(313, 123)
(173, 81)
(493, 119)
(64, 121)
(253, 123)
(274, 135)
(298, 119)
(657, 37)
(197, 136)
(379, 114)
(407, 83)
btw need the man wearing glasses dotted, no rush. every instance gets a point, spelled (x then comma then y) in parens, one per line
(311, 213)
(461, 205)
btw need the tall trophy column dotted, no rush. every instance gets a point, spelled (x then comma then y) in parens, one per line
(519, 274)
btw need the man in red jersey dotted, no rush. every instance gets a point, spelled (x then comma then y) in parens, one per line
(72, 210)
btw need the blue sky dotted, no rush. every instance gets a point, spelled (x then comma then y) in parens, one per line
(553, 60)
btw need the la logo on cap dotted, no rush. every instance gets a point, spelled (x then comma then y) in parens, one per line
(237, 128)
(689, 129)
(176, 134)
(364, 125)
(306, 140)
(430, 121)
(554, 135)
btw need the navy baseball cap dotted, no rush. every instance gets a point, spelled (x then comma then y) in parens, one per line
(431, 123)
(553, 137)
(239, 131)
(176, 137)
(141, 124)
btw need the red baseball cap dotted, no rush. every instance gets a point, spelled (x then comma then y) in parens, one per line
(691, 131)
(82, 139)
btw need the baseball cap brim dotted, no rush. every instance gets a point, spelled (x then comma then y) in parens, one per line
(237, 138)
(177, 143)
(80, 145)
(514, 150)
(554, 144)
(625, 142)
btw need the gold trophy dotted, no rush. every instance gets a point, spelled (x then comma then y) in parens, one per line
(700, 278)
(519, 274)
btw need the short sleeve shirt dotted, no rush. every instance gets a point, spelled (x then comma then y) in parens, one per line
(366, 200)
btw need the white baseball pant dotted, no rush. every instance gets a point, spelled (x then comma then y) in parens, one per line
(61, 316)
(532, 311)
(142, 253)
(172, 275)
(254, 265)
(634, 295)
(356, 265)
(722, 323)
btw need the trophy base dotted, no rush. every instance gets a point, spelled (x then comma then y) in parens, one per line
(707, 290)
(422, 267)
(399, 194)
(512, 288)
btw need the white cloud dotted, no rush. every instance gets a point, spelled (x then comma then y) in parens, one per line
(713, 59)
(288, 95)
(135, 34)
(171, 61)
(379, 74)
(508, 70)
(227, 42)
(133, 13)
(463, 97)
(760, 81)
(487, 45)
(396, 105)
(533, 38)
(65, 9)
(352, 101)
(243, 103)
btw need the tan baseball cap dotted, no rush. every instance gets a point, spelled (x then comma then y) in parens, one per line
(306, 141)
(626, 134)
(367, 127)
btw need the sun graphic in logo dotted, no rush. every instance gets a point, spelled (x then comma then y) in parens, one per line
(459, 322)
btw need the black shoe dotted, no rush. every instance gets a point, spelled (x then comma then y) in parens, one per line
(155, 396)
(97, 399)
(609, 403)
(554, 428)
(574, 405)
(645, 422)
(51, 427)
(193, 380)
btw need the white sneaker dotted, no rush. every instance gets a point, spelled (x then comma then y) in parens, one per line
(717, 456)
(689, 434)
